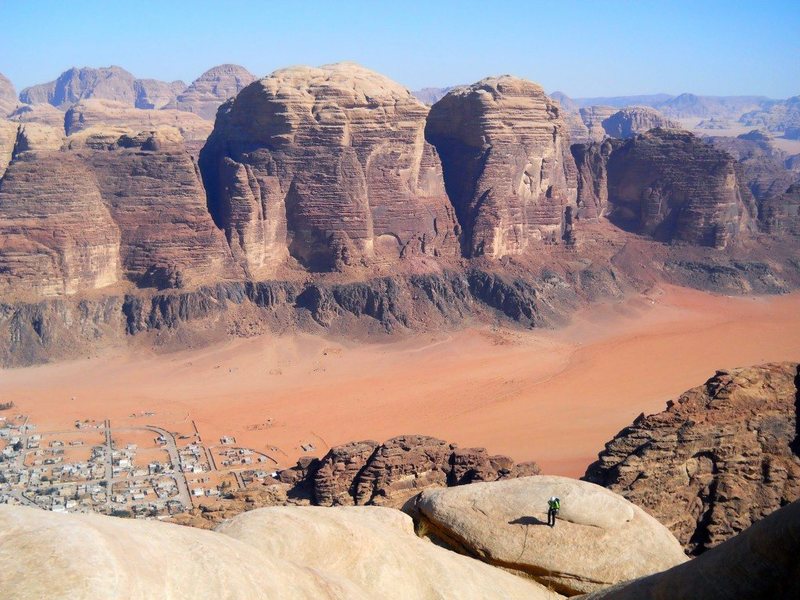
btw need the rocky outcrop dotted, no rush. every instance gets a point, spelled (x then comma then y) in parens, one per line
(599, 538)
(507, 166)
(591, 162)
(303, 553)
(153, 193)
(38, 113)
(8, 138)
(761, 562)
(593, 118)
(633, 120)
(114, 116)
(8, 96)
(672, 186)
(155, 94)
(57, 234)
(388, 474)
(206, 93)
(73, 85)
(780, 214)
(328, 166)
(778, 116)
(721, 457)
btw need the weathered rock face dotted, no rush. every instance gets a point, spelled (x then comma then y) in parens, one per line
(388, 474)
(780, 214)
(108, 114)
(674, 187)
(111, 83)
(507, 166)
(328, 166)
(761, 562)
(721, 457)
(630, 121)
(155, 94)
(591, 162)
(154, 194)
(593, 118)
(599, 538)
(206, 93)
(8, 138)
(38, 113)
(57, 234)
(8, 96)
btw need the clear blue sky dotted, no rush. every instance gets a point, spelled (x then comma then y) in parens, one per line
(584, 48)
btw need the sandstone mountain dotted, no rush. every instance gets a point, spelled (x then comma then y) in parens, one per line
(599, 538)
(507, 167)
(431, 95)
(674, 187)
(593, 117)
(38, 113)
(328, 166)
(721, 457)
(111, 83)
(155, 94)
(628, 122)
(274, 553)
(204, 96)
(778, 116)
(8, 97)
(761, 562)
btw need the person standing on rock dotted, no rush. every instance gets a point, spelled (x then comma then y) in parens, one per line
(553, 506)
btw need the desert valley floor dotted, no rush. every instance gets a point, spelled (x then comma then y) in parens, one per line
(550, 396)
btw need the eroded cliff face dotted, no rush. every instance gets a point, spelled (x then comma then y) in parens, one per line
(8, 97)
(633, 120)
(205, 94)
(719, 458)
(328, 166)
(507, 166)
(673, 187)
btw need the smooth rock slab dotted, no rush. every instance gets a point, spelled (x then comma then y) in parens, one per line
(600, 538)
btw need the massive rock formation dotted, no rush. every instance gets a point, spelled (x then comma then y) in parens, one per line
(38, 113)
(722, 456)
(155, 196)
(328, 166)
(8, 138)
(507, 166)
(204, 96)
(73, 85)
(630, 121)
(56, 234)
(780, 214)
(593, 117)
(8, 96)
(155, 94)
(778, 116)
(672, 186)
(111, 115)
(591, 162)
(431, 95)
(599, 538)
(303, 553)
(762, 562)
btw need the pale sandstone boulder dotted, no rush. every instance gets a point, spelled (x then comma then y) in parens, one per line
(204, 96)
(376, 549)
(329, 166)
(600, 538)
(76, 557)
(507, 165)
(761, 562)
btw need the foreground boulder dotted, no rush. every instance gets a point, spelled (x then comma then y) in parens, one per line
(507, 166)
(600, 538)
(719, 458)
(762, 562)
(311, 553)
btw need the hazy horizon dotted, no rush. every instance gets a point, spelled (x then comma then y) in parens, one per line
(705, 48)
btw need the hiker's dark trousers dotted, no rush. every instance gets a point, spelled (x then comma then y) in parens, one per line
(551, 516)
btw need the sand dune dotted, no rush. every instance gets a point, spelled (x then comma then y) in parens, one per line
(552, 396)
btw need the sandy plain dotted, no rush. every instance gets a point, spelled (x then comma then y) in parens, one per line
(551, 396)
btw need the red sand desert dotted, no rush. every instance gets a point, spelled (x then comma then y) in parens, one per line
(551, 396)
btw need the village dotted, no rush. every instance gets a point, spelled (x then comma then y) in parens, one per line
(128, 471)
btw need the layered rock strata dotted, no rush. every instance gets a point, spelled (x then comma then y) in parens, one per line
(721, 457)
(206, 93)
(507, 166)
(671, 186)
(328, 166)
(633, 120)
